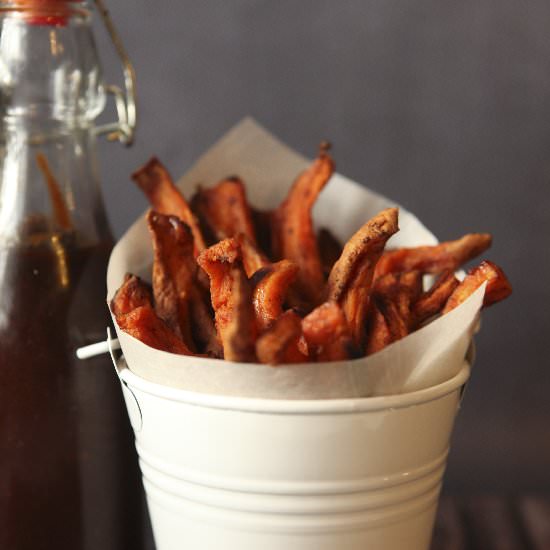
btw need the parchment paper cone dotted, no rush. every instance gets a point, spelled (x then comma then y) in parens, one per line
(429, 356)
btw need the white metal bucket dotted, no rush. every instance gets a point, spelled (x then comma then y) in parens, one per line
(247, 474)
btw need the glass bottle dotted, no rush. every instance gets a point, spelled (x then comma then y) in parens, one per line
(68, 471)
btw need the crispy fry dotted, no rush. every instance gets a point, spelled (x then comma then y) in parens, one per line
(132, 294)
(349, 282)
(225, 210)
(396, 324)
(432, 301)
(329, 249)
(327, 334)
(270, 286)
(155, 181)
(498, 286)
(173, 272)
(378, 333)
(231, 299)
(253, 257)
(280, 343)
(145, 325)
(434, 259)
(293, 233)
(403, 289)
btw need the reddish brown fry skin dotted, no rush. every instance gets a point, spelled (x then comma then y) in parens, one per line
(403, 289)
(174, 271)
(498, 287)
(378, 333)
(225, 209)
(155, 181)
(145, 325)
(434, 259)
(349, 282)
(231, 297)
(327, 335)
(280, 344)
(270, 286)
(133, 293)
(431, 302)
(396, 324)
(253, 258)
(294, 237)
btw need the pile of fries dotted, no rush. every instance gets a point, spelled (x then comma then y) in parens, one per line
(233, 282)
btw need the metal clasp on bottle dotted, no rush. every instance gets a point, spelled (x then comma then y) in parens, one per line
(125, 101)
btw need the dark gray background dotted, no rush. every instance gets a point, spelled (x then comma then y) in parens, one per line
(442, 106)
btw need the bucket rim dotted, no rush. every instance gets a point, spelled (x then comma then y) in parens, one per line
(296, 406)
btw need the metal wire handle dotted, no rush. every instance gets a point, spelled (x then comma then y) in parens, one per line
(125, 103)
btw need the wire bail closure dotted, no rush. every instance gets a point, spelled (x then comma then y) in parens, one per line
(125, 101)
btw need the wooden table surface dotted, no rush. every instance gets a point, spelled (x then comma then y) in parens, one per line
(488, 522)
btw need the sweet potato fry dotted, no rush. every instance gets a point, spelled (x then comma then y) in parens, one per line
(403, 289)
(270, 286)
(396, 324)
(327, 334)
(293, 234)
(155, 181)
(378, 333)
(434, 259)
(132, 294)
(329, 250)
(174, 269)
(498, 286)
(349, 282)
(178, 297)
(145, 325)
(432, 301)
(280, 343)
(225, 210)
(253, 257)
(231, 297)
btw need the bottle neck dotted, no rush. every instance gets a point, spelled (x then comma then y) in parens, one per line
(49, 71)
(51, 90)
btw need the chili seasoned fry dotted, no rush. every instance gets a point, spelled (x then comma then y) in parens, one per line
(403, 289)
(231, 297)
(132, 294)
(155, 181)
(349, 282)
(280, 343)
(396, 324)
(293, 233)
(432, 301)
(378, 334)
(434, 259)
(270, 286)
(498, 286)
(225, 210)
(327, 334)
(253, 258)
(174, 271)
(145, 325)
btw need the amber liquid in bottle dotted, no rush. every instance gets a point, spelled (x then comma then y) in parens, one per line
(69, 477)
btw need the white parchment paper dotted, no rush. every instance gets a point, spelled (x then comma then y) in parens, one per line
(429, 356)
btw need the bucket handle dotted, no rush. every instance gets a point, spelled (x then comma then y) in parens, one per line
(132, 404)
